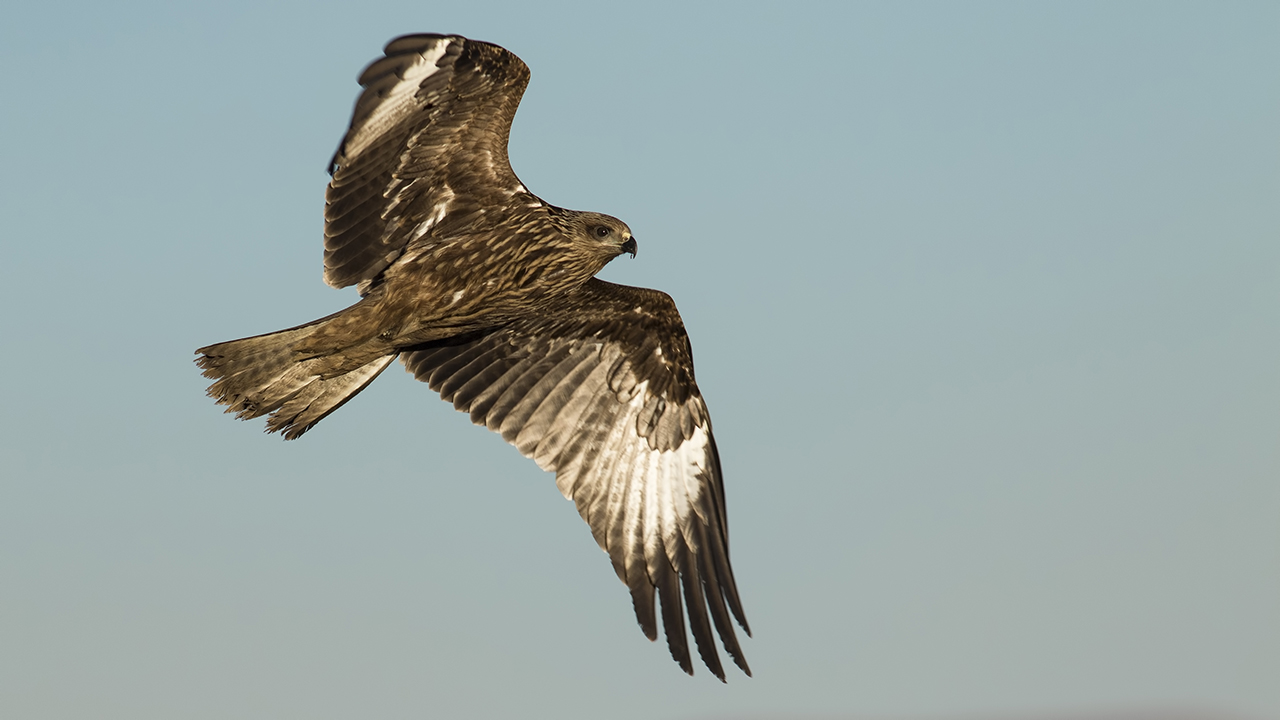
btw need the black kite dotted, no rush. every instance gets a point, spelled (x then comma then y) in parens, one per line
(488, 295)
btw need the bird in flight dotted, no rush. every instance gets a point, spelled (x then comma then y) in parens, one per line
(488, 295)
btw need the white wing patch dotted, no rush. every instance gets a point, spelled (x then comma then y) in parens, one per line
(664, 491)
(398, 101)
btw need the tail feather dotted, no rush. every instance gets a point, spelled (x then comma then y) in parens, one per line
(266, 375)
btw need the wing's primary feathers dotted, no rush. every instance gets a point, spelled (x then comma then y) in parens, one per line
(600, 390)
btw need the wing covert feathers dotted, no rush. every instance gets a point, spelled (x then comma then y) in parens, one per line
(600, 391)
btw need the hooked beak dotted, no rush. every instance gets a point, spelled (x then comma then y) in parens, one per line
(629, 246)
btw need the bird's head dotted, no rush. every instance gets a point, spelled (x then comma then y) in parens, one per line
(605, 234)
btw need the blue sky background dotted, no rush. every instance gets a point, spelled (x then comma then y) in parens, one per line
(985, 301)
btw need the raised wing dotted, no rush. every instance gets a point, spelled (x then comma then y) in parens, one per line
(426, 152)
(600, 390)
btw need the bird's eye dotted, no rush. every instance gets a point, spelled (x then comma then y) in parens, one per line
(602, 231)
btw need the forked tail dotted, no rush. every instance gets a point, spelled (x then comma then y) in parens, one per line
(266, 375)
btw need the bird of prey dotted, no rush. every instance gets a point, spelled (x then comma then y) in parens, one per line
(487, 294)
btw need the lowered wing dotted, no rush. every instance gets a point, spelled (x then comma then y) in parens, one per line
(600, 390)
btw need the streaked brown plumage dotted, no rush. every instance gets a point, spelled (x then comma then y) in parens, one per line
(489, 295)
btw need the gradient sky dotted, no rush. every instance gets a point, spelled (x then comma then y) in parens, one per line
(985, 301)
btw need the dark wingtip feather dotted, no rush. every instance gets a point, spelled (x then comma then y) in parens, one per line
(699, 625)
(642, 599)
(673, 618)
